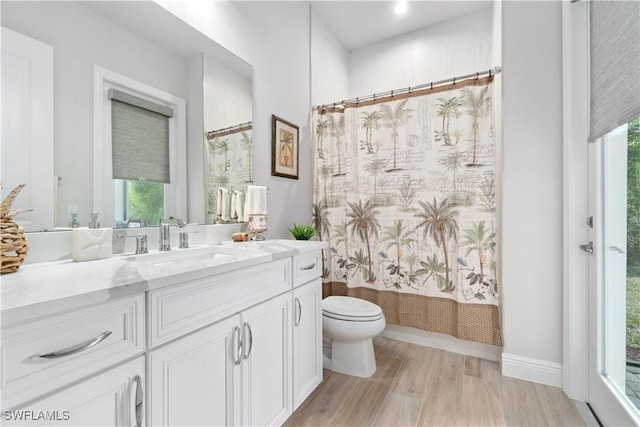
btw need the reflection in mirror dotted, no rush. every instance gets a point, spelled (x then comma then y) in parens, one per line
(145, 42)
(227, 107)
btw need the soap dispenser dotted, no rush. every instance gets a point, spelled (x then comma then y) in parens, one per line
(93, 242)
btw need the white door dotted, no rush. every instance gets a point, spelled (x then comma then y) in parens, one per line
(195, 381)
(113, 398)
(307, 340)
(27, 127)
(267, 367)
(608, 280)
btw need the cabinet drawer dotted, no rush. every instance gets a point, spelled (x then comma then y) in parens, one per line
(183, 308)
(40, 356)
(306, 267)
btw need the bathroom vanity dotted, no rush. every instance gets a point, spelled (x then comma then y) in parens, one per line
(214, 335)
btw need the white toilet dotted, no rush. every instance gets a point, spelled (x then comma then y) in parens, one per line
(349, 324)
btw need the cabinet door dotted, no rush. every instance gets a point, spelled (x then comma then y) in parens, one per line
(195, 381)
(307, 340)
(266, 368)
(113, 398)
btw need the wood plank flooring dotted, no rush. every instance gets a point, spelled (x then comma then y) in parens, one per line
(421, 386)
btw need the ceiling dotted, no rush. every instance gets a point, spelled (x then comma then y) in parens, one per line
(360, 23)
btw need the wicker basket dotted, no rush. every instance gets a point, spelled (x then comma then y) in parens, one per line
(14, 247)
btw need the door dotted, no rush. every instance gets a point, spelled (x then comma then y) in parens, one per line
(611, 378)
(307, 340)
(27, 128)
(195, 381)
(113, 398)
(267, 367)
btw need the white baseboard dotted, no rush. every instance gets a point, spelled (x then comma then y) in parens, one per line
(535, 370)
(442, 342)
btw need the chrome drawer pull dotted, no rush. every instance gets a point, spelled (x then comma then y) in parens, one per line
(308, 267)
(74, 349)
(236, 348)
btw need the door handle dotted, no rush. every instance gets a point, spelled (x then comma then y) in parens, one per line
(588, 248)
(245, 327)
(137, 401)
(236, 348)
(299, 310)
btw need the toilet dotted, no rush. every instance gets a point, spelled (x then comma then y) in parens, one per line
(349, 325)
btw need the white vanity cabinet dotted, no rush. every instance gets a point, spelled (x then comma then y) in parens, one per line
(195, 381)
(46, 354)
(112, 398)
(236, 345)
(235, 371)
(307, 325)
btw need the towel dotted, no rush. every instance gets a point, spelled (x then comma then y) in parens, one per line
(219, 202)
(234, 202)
(256, 202)
(238, 206)
(225, 205)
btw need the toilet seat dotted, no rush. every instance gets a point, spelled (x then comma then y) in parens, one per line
(351, 309)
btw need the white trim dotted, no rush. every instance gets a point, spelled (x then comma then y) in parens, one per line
(529, 369)
(575, 382)
(441, 342)
(103, 185)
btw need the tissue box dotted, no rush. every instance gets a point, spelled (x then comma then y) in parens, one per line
(92, 243)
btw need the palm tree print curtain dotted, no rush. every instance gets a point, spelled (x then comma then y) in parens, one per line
(404, 193)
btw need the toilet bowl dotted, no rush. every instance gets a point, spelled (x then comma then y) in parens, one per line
(349, 324)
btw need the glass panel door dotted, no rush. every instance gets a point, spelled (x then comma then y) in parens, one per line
(611, 379)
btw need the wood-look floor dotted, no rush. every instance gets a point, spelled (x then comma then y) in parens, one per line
(421, 386)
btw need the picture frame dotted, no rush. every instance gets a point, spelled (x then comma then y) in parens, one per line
(284, 148)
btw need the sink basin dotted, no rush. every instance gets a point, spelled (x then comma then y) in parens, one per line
(205, 255)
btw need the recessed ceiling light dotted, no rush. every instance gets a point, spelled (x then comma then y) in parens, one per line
(400, 8)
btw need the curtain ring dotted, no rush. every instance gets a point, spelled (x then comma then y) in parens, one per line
(431, 85)
(357, 101)
(454, 80)
(409, 89)
(477, 74)
(490, 73)
(392, 94)
(334, 105)
(374, 96)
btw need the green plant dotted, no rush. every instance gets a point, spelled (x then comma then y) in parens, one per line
(302, 231)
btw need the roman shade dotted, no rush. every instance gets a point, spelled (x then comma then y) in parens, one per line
(615, 64)
(140, 138)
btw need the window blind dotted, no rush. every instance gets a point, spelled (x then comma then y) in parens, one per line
(140, 138)
(615, 64)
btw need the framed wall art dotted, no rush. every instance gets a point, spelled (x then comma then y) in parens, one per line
(284, 148)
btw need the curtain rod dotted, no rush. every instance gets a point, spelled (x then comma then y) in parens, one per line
(491, 72)
(211, 133)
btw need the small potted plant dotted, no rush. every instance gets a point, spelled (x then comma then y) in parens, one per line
(302, 231)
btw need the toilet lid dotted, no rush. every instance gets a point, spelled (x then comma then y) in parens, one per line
(350, 307)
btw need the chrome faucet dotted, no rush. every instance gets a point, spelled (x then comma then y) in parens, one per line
(165, 236)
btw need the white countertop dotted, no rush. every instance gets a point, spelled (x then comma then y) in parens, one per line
(42, 289)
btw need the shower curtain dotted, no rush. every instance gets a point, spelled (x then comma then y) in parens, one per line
(404, 193)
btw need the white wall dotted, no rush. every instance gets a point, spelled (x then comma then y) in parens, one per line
(80, 39)
(274, 38)
(532, 181)
(329, 64)
(456, 47)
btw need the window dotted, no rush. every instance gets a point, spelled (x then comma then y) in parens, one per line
(139, 152)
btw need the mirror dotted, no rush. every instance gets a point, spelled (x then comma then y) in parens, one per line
(145, 42)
